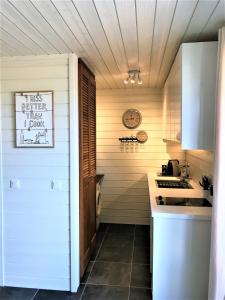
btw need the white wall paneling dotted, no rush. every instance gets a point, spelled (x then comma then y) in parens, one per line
(125, 189)
(74, 175)
(201, 163)
(199, 20)
(181, 21)
(22, 21)
(108, 15)
(126, 12)
(161, 32)
(110, 36)
(145, 13)
(216, 20)
(36, 182)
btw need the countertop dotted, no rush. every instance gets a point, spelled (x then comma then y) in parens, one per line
(183, 212)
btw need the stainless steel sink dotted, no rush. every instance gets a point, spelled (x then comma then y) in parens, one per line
(173, 184)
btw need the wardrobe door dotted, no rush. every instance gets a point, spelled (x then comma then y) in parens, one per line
(87, 165)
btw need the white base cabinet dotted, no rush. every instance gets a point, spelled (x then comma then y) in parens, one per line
(181, 251)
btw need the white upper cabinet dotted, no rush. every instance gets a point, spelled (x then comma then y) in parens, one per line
(189, 96)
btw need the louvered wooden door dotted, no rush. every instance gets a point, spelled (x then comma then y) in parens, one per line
(87, 114)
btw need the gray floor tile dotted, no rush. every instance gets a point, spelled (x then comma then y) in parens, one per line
(142, 230)
(141, 255)
(87, 272)
(121, 229)
(118, 240)
(95, 253)
(140, 276)
(142, 241)
(99, 292)
(110, 273)
(11, 293)
(140, 294)
(103, 227)
(59, 295)
(115, 254)
(99, 238)
(77, 295)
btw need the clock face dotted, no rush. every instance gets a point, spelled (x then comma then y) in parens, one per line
(131, 118)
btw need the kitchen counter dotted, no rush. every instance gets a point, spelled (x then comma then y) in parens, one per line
(183, 212)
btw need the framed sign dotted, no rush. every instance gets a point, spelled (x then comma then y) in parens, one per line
(34, 119)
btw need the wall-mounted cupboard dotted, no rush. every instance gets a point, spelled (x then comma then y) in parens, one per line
(189, 96)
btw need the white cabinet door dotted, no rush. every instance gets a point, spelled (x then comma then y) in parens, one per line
(172, 102)
(198, 95)
(189, 96)
(181, 249)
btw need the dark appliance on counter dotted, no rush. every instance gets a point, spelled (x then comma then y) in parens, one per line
(178, 201)
(171, 169)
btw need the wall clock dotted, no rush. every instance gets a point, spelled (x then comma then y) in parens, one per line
(131, 118)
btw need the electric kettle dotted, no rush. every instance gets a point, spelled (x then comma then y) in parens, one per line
(173, 167)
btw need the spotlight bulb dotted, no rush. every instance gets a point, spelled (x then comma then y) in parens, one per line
(132, 80)
(133, 77)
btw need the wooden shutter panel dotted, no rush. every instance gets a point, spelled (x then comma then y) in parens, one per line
(92, 128)
(87, 123)
(84, 125)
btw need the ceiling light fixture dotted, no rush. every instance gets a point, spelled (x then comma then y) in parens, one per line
(133, 76)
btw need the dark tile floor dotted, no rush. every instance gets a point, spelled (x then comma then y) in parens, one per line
(119, 269)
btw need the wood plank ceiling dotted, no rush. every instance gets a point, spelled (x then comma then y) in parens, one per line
(111, 36)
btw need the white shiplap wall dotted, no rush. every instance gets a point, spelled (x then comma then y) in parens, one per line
(125, 188)
(36, 218)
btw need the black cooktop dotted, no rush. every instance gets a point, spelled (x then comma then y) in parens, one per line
(178, 201)
(173, 184)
